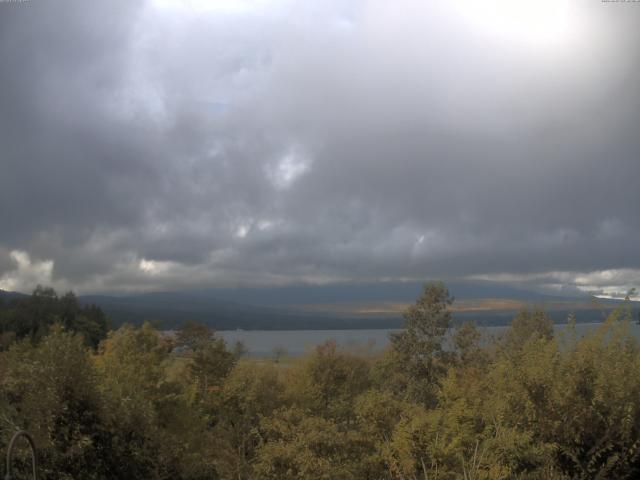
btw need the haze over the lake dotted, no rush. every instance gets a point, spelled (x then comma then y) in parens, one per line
(171, 144)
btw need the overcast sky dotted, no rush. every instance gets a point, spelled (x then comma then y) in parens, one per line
(174, 144)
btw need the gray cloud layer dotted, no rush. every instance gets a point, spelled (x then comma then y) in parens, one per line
(147, 147)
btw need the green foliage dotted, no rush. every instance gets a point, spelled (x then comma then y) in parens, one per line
(440, 403)
(298, 445)
(417, 360)
(192, 335)
(467, 346)
(315, 435)
(210, 364)
(32, 317)
(327, 381)
(525, 325)
(155, 432)
(251, 392)
(51, 391)
(211, 361)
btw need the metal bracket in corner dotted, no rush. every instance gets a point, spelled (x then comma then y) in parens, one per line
(16, 436)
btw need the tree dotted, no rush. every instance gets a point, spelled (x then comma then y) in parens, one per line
(210, 363)
(466, 340)
(279, 353)
(192, 334)
(155, 431)
(302, 446)
(418, 351)
(50, 389)
(240, 349)
(33, 316)
(327, 381)
(250, 393)
(526, 325)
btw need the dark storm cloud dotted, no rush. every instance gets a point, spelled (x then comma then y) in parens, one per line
(148, 147)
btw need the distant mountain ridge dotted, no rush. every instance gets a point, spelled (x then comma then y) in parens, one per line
(6, 294)
(334, 306)
(350, 292)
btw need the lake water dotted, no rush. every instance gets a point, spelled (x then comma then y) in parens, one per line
(263, 343)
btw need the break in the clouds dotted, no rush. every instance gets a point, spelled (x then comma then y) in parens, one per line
(170, 144)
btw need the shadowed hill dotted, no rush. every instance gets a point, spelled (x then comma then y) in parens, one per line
(335, 306)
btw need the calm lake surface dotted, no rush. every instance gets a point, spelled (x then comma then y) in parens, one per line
(263, 343)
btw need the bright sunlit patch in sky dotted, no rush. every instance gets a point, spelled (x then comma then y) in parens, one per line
(290, 167)
(537, 22)
(243, 230)
(154, 267)
(27, 272)
(229, 6)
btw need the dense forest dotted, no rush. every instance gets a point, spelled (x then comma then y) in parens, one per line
(33, 316)
(440, 403)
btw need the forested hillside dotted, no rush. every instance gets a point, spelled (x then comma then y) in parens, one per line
(32, 316)
(141, 405)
